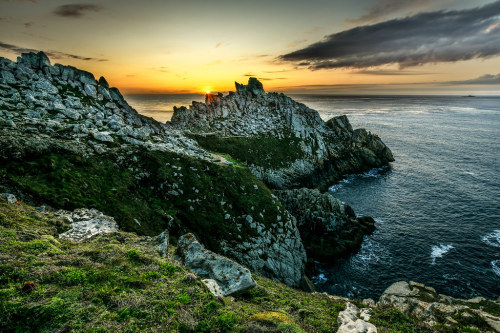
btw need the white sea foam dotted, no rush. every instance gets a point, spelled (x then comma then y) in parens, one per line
(320, 278)
(492, 239)
(335, 188)
(439, 251)
(495, 265)
(371, 252)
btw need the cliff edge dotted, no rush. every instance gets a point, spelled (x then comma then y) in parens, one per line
(283, 142)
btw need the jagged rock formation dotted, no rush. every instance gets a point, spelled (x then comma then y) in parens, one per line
(285, 143)
(328, 227)
(222, 276)
(43, 106)
(350, 321)
(86, 223)
(416, 299)
(70, 141)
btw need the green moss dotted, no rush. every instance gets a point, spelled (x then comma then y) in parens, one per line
(144, 195)
(265, 151)
(388, 319)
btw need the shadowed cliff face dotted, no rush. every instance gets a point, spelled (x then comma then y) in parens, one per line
(284, 143)
(70, 141)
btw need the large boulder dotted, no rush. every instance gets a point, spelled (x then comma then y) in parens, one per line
(86, 223)
(222, 275)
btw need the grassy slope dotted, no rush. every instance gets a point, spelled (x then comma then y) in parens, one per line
(118, 283)
(266, 151)
(129, 191)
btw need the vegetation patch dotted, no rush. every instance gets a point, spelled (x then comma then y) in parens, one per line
(148, 191)
(118, 282)
(265, 151)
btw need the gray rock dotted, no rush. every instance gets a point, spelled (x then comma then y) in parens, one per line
(87, 223)
(86, 78)
(328, 227)
(103, 83)
(102, 136)
(213, 287)
(163, 240)
(90, 90)
(7, 77)
(326, 151)
(349, 321)
(401, 288)
(230, 276)
(11, 198)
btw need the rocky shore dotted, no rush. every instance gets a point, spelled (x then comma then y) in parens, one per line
(110, 220)
(283, 142)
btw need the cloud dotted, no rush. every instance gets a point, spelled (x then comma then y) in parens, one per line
(33, 1)
(76, 10)
(384, 72)
(488, 79)
(28, 24)
(433, 37)
(218, 45)
(383, 8)
(296, 43)
(50, 53)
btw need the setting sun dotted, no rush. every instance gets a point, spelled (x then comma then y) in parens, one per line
(208, 92)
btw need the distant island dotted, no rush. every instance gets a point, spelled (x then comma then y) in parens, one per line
(212, 222)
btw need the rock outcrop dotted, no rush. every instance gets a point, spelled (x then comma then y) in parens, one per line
(284, 143)
(86, 223)
(45, 108)
(328, 227)
(221, 275)
(81, 145)
(349, 321)
(416, 299)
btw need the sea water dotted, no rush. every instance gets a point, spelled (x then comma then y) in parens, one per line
(437, 208)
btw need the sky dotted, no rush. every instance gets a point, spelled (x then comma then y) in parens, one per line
(315, 46)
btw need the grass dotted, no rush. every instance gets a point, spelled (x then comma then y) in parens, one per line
(146, 191)
(118, 282)
(265, 151)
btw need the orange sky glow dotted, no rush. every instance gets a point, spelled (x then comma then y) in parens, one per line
(160, 47)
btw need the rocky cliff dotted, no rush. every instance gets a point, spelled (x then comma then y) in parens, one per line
(284, 143)
(329, 228)
(70, 141)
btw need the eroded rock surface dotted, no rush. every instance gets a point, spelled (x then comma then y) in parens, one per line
(310, 152)
(349, 321)
(222, 275)
(86, 223)
(328, 227)
(416, 299)
(45, 107)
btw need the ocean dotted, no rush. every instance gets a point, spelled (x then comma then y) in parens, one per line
(437, 208)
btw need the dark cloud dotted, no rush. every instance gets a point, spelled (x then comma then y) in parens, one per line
(442, 36)
(383, 8)
(76, 10)
(33, 1)
(28, 24)
(16, 49)
(487, 79)
(384, 72)
(49, 53)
